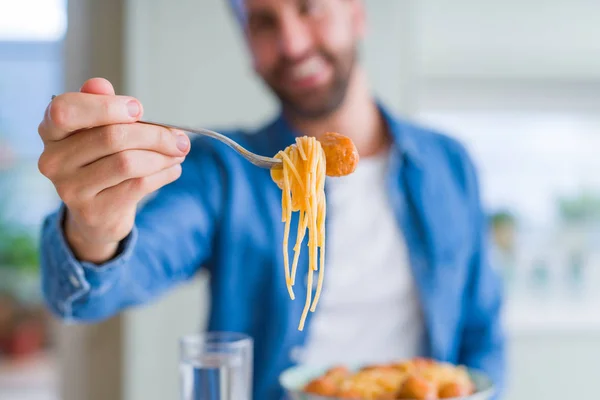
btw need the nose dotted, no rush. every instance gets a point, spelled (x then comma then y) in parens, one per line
(295, 39)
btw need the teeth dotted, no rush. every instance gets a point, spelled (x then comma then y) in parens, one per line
(306, 69)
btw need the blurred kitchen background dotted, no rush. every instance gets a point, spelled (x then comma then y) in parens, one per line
(518, 82)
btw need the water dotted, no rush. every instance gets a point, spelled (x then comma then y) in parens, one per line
(215, 377)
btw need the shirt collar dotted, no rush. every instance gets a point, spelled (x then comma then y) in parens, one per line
(405, 136)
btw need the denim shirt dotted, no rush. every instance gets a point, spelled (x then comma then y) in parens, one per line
(224, 215)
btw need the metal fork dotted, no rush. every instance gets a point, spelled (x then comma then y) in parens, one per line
(258, 160)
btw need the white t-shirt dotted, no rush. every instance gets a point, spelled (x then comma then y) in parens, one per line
(369, 309)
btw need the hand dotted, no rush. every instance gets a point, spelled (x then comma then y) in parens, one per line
(102, 163)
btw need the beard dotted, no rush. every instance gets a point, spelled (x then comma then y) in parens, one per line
(317, 103)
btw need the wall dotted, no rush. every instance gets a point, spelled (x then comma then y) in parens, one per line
(534, 39)
(523, 55)
(554, 365)
(527, 56)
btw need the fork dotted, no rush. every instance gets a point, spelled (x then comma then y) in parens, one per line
(258, 160)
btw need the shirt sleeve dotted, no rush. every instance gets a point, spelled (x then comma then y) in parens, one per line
(172, 237)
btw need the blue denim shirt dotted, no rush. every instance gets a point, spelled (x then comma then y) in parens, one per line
(224, 215)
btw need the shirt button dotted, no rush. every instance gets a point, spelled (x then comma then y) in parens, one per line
(74, 281)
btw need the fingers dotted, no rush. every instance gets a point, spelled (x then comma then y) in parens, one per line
(86, 147)
(103, 215)
(132, 191)
(71, 112)
(117, 168)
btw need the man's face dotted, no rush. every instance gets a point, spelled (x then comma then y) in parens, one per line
(304, 50)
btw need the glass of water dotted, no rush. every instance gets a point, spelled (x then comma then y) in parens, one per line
(216, 366)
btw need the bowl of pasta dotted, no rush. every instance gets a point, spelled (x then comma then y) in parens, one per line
(414, 379)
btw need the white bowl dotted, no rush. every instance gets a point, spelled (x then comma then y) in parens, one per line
(295, 378)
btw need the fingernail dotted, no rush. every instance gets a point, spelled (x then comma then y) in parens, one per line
(183, 142)
(133, 108)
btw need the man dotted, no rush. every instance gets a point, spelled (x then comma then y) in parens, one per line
(406, 267)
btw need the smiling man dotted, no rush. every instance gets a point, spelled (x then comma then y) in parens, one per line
(407, 270)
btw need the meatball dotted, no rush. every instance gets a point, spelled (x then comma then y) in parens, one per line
(340, 153)
(417, 388)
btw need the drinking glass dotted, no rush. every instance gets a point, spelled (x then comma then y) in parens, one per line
(216, 366)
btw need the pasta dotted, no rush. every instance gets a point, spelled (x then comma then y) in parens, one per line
(302, 181)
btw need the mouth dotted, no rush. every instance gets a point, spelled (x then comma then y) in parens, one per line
(307, 74)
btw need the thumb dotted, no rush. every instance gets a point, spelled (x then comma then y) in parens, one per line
(97, 86)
